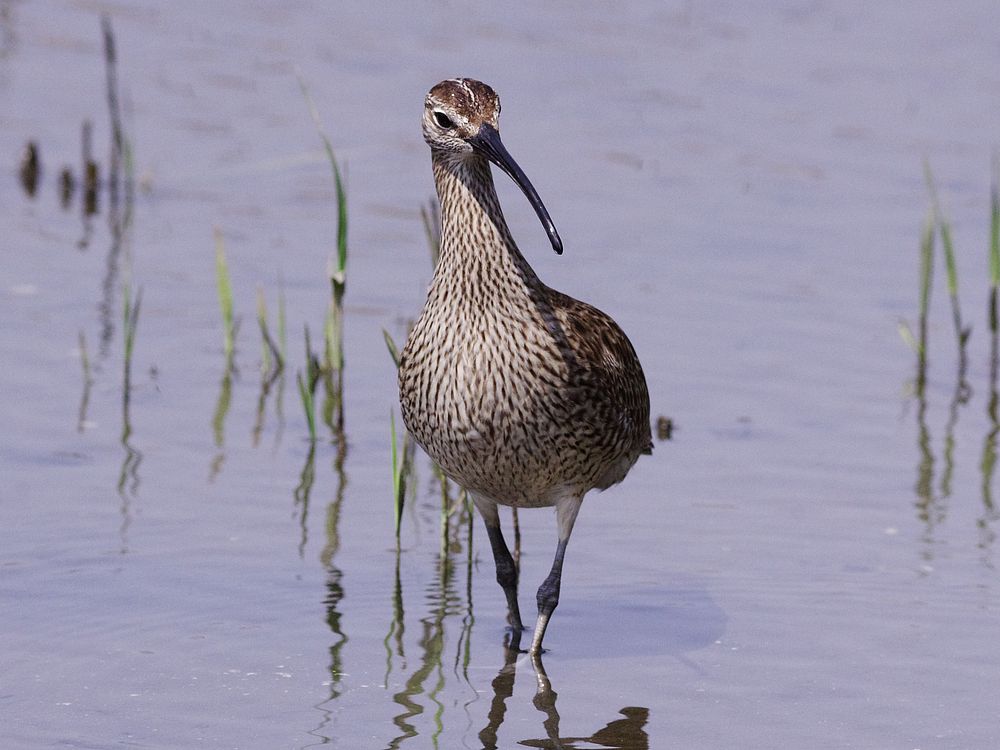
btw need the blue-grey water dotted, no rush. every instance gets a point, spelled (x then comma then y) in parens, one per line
(809, 562)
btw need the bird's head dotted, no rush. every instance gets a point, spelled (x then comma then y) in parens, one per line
(455, 111)
(462, 118)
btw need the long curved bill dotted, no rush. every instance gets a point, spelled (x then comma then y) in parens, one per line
(487, 142)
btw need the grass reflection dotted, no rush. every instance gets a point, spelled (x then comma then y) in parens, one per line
(301, 495)
(272, 363)
(932, 499)
(424, 686)
(120, 185)
(334, 590)
(128, 476)
(222, 404)
(88, 382)
(987, 464)
(444, 603)
(393, 641)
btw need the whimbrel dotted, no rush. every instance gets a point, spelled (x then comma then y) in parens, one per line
(524, 396)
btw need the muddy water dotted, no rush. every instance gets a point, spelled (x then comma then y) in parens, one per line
(809, 562)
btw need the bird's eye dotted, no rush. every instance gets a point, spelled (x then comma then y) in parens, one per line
(443, 120)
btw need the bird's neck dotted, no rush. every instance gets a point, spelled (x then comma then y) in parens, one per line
(476, 245)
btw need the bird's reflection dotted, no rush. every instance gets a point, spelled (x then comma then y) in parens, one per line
(503, 688)
(625, 733)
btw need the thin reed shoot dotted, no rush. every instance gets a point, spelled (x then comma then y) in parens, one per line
(339, 276)
(307, 387)
(906, 333)
(225, 292)
(948, 249)
(265, 349)
(926, 284)
(271, 359)
(307, 404)
(400, 456)
(391, 346)
(994, 241)
(333, 365)
(333, 327)
(926, 275)
(282, 322)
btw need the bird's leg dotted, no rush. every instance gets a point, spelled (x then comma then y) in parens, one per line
(506, 570)
(548, 593)
(506, 575)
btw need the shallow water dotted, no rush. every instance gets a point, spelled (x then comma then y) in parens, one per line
(809, 562)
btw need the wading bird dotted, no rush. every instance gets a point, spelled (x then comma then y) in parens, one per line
(524, 396)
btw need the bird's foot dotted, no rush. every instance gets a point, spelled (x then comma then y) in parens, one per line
(514, 618)
(512, 640)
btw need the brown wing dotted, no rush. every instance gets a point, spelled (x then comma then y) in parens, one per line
(607, 371)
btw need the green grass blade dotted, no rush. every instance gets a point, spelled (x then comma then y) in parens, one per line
(949, 258)
(994, 250)
(282, 326)
(333, 330)
(926, 265)
(926, 278)
(995, 224)
(398, 486)
(265, 348)
(307, 405)
(340, 275)
(907, 335)
(307, 385)
(391, 346)
(944, 228)
(225, 291)
(951, 267)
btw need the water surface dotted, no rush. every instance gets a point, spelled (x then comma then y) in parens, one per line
(809, 562)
